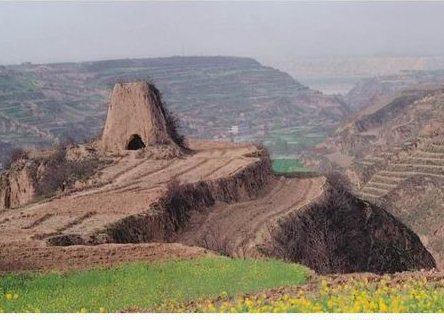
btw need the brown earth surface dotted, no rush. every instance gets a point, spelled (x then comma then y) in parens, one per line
(127, 188)
(239, 229)
(39, 257)
(393, 152)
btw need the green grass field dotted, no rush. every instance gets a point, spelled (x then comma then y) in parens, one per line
(293, 140)
(289, 166)
(143, 286)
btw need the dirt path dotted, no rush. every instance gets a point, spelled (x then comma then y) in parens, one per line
(237, 229)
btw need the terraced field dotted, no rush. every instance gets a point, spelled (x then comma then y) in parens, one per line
(289, 166)
(40, 104)
(426, 158)
(237, 229)
(127, 188)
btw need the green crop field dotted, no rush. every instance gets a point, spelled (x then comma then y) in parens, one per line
(289, 166)
(143, 286)
(361, 295)
(293, 140)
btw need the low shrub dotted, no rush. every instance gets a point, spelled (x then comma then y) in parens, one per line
(13, 156)
(172, 121)
(60, 173)
(340, 233)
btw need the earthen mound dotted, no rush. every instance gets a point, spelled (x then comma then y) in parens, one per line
(138, 119)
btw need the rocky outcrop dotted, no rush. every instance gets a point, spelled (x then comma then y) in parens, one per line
(18, 184)
(42, 174)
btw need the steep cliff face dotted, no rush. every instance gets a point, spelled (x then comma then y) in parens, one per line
(42, 174)
(18, 184)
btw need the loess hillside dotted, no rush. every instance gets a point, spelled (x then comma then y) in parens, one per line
(41, 104)
(393, 152)
(137, 184)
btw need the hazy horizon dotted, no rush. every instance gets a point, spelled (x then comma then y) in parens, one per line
(78, 31)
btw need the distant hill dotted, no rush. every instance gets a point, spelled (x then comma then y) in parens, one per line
(40, 104)
(338, 74)
(368, 88)
(393, 152)
(354, 67)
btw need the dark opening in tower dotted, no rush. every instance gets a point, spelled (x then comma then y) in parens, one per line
(135, 143)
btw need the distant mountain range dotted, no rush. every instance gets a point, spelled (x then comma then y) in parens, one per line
(392, 149)
(334, 74)
(41, 104)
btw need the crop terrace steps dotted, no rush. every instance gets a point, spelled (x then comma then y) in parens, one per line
(381, 185)
(414, 173)
(368, 196)
(429, 155)
(395, 174)
(422, 168)
(378, 178)
(423, 161)
(375, 191)
(366, 163)
(386, 154)
(375, 160)
(375, 188)
(433, 147)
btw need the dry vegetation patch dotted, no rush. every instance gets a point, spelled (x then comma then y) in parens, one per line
(341, 234)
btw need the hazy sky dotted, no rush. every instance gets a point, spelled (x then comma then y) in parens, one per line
(78, 31)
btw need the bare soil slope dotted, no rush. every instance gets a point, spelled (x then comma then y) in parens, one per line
(419, 202)
(394, 149)
(126, 189)
(240, 229)
(340, 233)
(39, 257)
